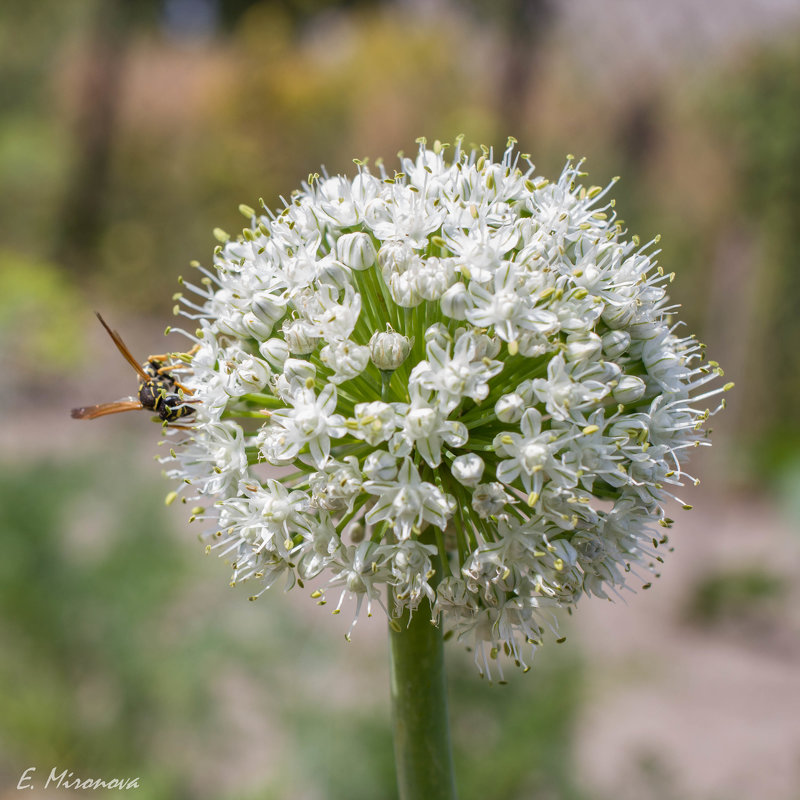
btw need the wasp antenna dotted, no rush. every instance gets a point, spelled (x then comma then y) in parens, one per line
(122, 347)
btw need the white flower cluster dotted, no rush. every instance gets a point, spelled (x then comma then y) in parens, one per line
(472, 378)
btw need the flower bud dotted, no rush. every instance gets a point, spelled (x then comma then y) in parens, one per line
(266, 309)
(275, 351)
(394, 258)
(356, 250)
(615, 343)
(421, 422)
(247, 374)
(455, 301)
(256, 327)
(332, 273)
(346, 358)
(532, 344)
(434, 278)
(582, 346)
(468, 469)
(629, 389)
(298, 339)
(620, 314)
(299, 370)
(439, 334)
(485, 346)
(357, 531)
(509, 408)
(644, 328)
(389, 349)
(403, 288)
(380, 466)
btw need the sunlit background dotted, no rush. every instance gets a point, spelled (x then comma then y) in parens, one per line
(128, 131)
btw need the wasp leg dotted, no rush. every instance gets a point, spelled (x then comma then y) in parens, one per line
(166, 368)
(167, 356)
(170, 368)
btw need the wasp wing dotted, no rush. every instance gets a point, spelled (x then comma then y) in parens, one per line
(92, 412)
(121, 346)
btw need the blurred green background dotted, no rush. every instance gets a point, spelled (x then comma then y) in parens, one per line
(128, 131)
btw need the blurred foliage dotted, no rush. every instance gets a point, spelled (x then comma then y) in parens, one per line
(756, 108)
(274, 109)
(111, 663)
(41, 316)
(351, 752)
(523, 730)
(758, 105)
(743, 595)
(88, 669)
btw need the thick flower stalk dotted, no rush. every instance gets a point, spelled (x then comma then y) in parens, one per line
(461, 365)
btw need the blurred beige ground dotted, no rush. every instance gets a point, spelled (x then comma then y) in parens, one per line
(683, 712)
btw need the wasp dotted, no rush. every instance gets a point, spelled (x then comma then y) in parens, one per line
(158, 390)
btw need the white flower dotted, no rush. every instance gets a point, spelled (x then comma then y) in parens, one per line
(346, 358)
(508, 306)
(454, 377)
(531, 456)
(309, 422)
(426, 429)
(479, 250)
(337, 485)
(324, 316)
(471, 380)
(408, 502)
(214, 458)
(278, 512)
(563, 392)
(361, 570)
(404, 215)
(373, 422)
(412, 570)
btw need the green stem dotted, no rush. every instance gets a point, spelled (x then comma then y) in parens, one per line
(422, 749)
(386, 379)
